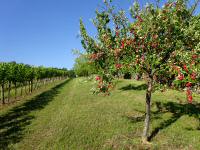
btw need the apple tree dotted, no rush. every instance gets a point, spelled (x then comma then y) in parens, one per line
(159, 42)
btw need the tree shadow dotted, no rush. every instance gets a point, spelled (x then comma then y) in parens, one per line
(13, 123)
(177, 111)
(134, 87)
(135, 119)
(141, 118)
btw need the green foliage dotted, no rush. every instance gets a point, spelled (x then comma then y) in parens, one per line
(20, 72)
(71, 73)
(83, 67)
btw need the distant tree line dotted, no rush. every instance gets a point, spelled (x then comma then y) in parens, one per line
(83, 67)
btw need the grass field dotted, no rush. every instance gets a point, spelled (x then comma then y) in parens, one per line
(68, 116)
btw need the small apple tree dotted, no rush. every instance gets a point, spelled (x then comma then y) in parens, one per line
(160, 43)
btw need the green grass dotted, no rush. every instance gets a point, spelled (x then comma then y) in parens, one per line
(68, 116)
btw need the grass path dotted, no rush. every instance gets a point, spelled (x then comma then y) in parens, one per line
(68, 116)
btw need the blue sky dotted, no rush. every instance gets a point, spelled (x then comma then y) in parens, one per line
(43, 32)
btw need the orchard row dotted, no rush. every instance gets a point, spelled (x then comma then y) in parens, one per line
(14, 76)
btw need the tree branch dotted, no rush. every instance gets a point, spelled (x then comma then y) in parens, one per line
(194, 6)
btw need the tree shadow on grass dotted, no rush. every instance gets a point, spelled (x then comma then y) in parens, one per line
(13, 123)
(134, 87)
(177, 111)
